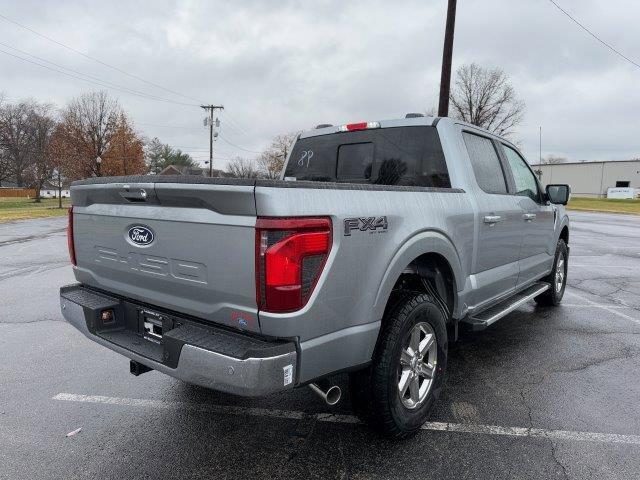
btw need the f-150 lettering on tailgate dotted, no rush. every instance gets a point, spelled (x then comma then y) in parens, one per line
(153, 265)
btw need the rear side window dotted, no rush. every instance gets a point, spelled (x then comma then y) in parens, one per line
(409, 156)
(485, 162)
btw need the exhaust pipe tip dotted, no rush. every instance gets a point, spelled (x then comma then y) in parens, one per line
(331, 396)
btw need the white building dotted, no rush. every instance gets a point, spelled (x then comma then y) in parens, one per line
(591, 179)
(53, 193)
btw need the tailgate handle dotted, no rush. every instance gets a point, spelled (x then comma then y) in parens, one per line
(135, 195)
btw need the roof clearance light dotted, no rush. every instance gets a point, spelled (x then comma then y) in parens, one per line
(351, 127)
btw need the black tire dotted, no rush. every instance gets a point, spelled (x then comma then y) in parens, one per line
(553, 296)
(374, 390)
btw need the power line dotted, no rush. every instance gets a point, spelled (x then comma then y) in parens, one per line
(191, 149)
(609, 46)
(169, 126)
(172, 126)
(101, 84)
(95, 59)
(95, 80)
(198, 128)
(237, 146)
(234, 124)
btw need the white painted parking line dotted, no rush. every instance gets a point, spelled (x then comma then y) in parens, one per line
(633, 267)
(350, 419)
(604, 307)
(595, 305)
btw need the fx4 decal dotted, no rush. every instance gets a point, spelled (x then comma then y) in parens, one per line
(363, 224)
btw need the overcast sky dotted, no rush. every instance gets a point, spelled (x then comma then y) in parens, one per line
(284, 66)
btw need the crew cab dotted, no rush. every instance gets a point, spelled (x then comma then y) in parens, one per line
(380, 241)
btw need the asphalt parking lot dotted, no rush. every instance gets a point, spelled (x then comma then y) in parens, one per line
(544, 393)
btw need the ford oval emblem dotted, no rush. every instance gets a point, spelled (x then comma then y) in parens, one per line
(141, 235)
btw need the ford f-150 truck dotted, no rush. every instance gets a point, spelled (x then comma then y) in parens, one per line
(380, 241)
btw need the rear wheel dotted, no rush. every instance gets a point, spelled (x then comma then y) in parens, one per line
(557, 278)
(396, 393)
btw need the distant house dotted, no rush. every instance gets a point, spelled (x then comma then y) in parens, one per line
(50, 190)
(53, 193)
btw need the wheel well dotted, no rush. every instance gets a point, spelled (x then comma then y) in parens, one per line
(564, 234)
(431, 274)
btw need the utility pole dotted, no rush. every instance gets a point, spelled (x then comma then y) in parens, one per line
(210, 109)
(447, 54)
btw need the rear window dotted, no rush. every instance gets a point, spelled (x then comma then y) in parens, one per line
(409, 156)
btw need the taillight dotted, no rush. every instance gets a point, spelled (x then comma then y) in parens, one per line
(290, 255)
(72, 250)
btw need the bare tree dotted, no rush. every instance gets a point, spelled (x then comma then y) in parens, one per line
(271, 160)
(5, 166)
(42, 126)
(240, 167)
(486, 98)
(4, 159)
(89, 123)
(15, 138)
(554, 159)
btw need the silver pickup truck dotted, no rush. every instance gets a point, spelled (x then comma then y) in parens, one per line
(380, 241)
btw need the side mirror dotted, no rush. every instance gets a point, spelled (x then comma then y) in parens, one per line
(558, 193)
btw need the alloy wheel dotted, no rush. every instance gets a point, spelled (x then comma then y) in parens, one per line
(418, 360)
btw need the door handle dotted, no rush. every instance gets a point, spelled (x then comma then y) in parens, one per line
(529, 216)
(492, 218)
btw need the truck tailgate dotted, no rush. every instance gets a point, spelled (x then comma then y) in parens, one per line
(181, 246)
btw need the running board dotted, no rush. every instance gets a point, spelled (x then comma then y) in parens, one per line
(491, 315)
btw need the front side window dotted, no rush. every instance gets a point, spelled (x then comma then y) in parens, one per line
(524, 178)
(486, 163)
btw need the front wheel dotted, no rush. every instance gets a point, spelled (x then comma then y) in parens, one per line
(557, 278)
(396, 393)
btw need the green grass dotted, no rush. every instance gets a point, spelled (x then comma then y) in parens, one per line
(12, 208)
(605, 205)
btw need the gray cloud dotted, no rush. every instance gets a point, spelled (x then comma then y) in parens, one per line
(283, 66)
